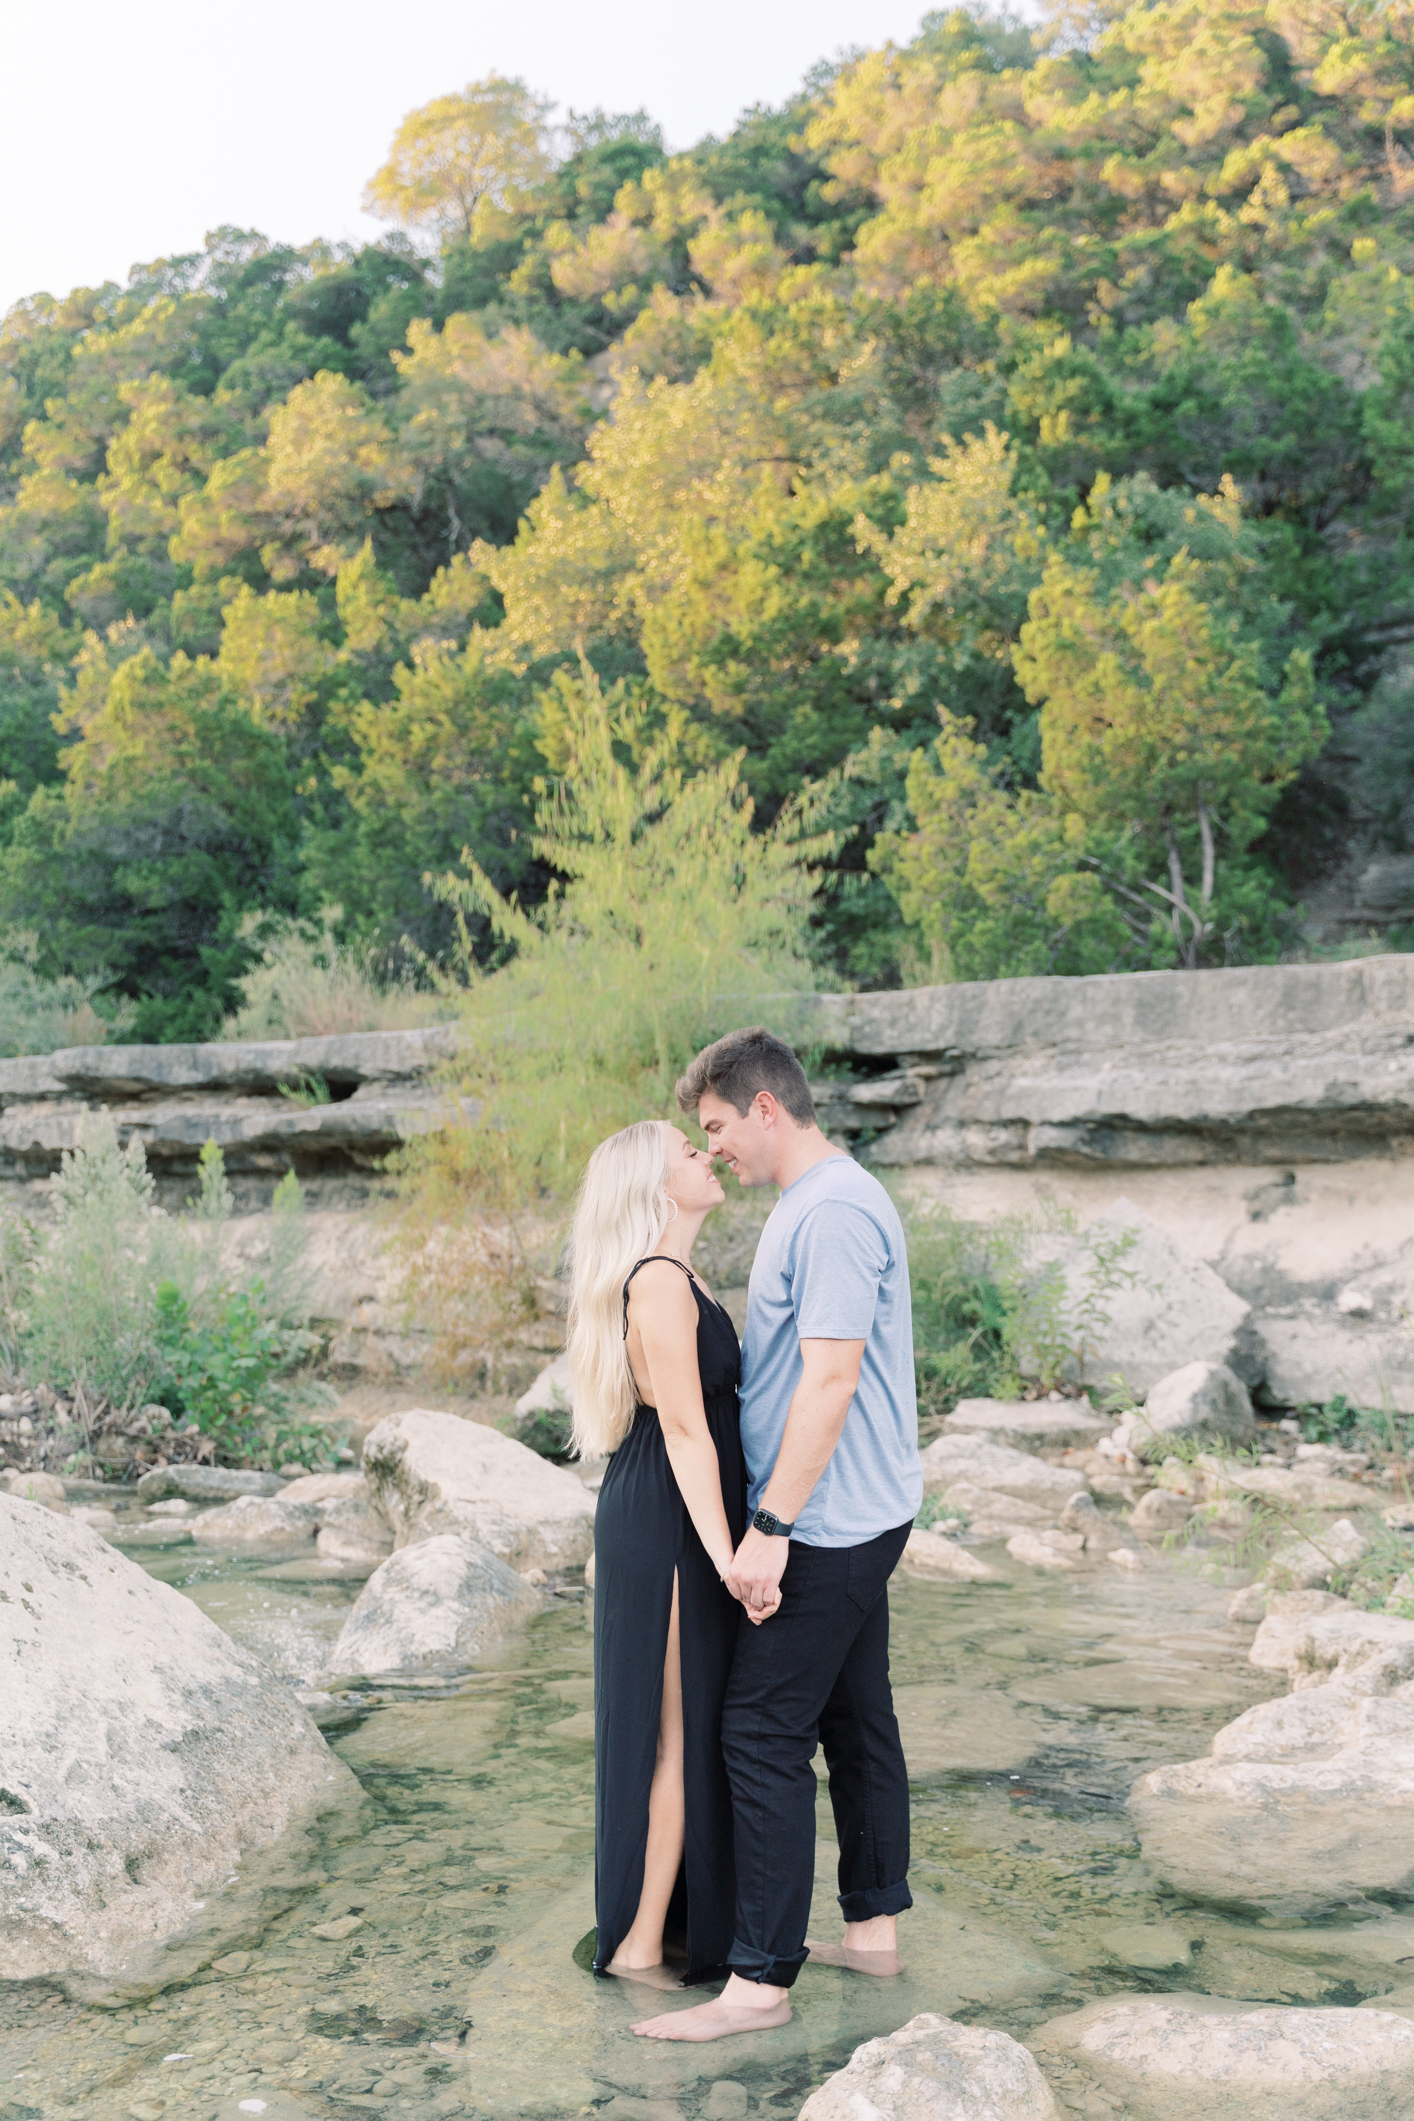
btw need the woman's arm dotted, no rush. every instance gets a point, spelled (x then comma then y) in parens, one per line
(663, 1318)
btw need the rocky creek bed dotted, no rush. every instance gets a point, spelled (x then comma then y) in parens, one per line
(1029, 1704)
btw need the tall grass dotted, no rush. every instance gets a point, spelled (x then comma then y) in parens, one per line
(310, 984)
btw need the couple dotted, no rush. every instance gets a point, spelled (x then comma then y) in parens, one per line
(743, 1545)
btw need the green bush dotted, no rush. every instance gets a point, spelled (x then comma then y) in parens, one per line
(992, 1303)
(119, 1304)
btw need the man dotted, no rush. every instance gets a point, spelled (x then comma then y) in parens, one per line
(829, 1423)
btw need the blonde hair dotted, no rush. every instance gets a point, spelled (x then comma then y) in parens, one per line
(621, 1216)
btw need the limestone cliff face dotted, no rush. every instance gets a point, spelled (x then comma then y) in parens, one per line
(1264, 1116)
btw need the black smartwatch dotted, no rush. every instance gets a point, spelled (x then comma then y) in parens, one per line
(766, 1521)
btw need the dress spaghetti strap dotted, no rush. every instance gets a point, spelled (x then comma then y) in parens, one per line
(643, 1263)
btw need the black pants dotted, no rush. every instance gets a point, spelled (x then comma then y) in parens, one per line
(816, 1672)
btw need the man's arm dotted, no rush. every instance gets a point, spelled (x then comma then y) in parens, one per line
(828, 1382)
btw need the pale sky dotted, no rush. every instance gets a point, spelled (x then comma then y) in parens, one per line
(131, 129)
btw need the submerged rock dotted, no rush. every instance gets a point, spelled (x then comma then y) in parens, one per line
(1304, 1805)
(1203, 1401)
(432, 1473)
(930, 1553)
(1052, 1549)
(144, 1758)
(933, 2069)
(258, 1524)
(440, 1603)
(1200, 2058)
(205, 1483)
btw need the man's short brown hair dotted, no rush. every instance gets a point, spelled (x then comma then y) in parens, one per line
(736, 1068)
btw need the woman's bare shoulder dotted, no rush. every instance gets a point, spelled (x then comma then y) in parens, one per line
(662, 1285)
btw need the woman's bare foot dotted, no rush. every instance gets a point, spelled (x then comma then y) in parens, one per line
(742, 2007)
(659, 1976)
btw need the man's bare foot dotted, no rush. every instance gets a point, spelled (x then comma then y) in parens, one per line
(882, 1964)
(742, 2007)
(659, 1976)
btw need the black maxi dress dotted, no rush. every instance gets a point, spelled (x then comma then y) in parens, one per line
(642, 1534)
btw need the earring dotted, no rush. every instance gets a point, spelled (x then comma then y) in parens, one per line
(673, 1208)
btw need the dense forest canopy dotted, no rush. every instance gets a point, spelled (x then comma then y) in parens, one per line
(1007, 448)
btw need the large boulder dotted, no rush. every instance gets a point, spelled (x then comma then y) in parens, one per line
(1305, 1805)
(432, 1473)
(1315, 1560)
(933, 2069)
(435, 1606)
(353, 1533)
(144, 1760)
(1159, 1306)
(1201, 2058)
(1028, 1424)
(1202, 1402)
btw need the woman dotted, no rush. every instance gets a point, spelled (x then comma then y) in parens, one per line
(656, 1364)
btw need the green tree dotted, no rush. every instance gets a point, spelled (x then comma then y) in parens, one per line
(460, 155)
(1159, 735)
(175, 816)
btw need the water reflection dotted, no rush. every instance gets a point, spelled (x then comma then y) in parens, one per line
(429, 1972)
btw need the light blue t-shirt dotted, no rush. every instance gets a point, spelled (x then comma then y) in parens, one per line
(832, 1265)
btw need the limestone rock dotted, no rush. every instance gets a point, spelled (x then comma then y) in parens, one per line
(352, 1532)
(145, 1758)
(258, 1524)
(1203, 1401)
(97, 1520)
(1160, 1512)
(205, 1484)
(1314, 1636)
(1047, 1550)
(1081, 1515)
(1248, 1606)
(1310, 1563)
(1293, 1487)
(933, 2069)
(436, 1605)
(543, 1413)
(326, 1488)
(1304, 1805)
(1200, 2058)
(991, 1515)
(44, 1488)
(930, 1553)
(432, 1473)
(1174, 1311)
(1157, 1947)
(1034, 1425)
(998, 1469)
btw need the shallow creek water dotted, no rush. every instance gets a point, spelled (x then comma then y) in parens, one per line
(1027, 1710)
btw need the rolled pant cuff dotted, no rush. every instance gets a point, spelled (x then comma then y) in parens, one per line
(876, 1900)
(756, 1966)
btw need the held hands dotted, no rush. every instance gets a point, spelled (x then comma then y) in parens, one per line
(756, 1571)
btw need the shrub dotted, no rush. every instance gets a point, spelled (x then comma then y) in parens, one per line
(119, 1304)
(309, 984)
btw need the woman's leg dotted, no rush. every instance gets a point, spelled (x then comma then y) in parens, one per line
(643, 1946)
